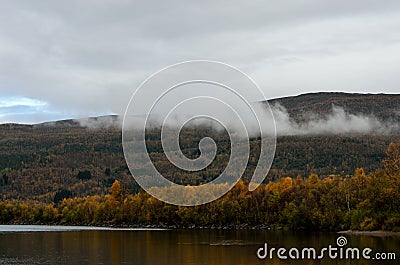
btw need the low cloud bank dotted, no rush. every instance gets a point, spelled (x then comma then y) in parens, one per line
(103, 122)
(338, 121)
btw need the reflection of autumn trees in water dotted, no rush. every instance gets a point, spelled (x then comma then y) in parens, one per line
(358, 201)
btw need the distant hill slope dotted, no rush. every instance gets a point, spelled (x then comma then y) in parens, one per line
(37, 161)
(382, 106)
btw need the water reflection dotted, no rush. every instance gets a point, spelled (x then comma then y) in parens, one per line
(170, 247)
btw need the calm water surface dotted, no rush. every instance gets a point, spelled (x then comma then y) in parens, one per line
(88, 245)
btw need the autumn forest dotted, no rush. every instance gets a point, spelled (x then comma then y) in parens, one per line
(66, 173)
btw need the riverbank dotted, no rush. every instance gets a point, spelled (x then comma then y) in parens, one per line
(158, 226)
(379, 233)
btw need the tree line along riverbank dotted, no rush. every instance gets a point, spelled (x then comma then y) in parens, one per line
(359, 202)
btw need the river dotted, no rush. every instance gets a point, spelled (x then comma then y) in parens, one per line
(20, 244)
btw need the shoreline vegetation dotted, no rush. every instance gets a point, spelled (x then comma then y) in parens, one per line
(377, 233)
(364, 202)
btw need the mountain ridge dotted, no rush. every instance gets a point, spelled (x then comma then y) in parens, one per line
(383, 106)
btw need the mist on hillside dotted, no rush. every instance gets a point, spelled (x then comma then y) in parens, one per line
(337, 121)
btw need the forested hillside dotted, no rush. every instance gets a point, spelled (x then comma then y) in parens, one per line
(359, 201)
(383, 106)
(48, 162)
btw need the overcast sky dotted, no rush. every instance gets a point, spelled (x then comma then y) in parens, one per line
(70, 59)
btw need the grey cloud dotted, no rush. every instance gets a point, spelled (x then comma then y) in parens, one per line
(87, 57)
